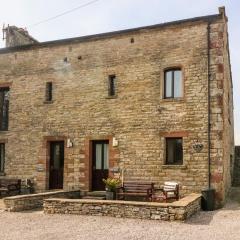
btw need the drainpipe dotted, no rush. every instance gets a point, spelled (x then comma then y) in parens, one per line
(208, 195)
(209, 106)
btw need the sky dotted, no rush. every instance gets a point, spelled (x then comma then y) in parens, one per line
(111, 15)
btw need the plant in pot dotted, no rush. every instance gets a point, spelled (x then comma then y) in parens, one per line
(111, 185)
(27, 188)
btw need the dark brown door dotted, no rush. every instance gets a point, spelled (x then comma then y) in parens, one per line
(56, 165)
(100, 164)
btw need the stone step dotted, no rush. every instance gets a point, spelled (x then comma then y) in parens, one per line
(96, 194)
(94, 197)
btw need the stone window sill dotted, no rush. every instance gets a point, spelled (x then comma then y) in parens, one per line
(180, 99)
(48, 102)
(111, 97)
(2, 174)
(174, 166)
(3, 131)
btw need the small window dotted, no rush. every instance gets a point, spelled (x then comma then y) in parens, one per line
(48, 91)
(4, 105)
(174, 151)
(173, 83)
(112, 85)
(2, 156)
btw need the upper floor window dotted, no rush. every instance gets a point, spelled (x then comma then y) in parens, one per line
(112, 85)
(173, 83)
(2, 156)
(4, 105)
(174, 151)
(48, 96)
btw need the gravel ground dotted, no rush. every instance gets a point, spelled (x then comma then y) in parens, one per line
(222, 224)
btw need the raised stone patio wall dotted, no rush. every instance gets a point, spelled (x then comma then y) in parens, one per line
(179, 210)
(33, 201)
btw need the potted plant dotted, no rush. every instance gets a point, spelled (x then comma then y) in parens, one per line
(27, 188)
(111, 185)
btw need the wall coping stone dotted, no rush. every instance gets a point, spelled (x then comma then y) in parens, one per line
(38, 194)
(184, 202)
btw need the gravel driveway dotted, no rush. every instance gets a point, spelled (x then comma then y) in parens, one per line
(222, 224)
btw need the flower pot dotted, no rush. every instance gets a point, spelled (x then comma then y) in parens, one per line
(25, 191)
(110, 195)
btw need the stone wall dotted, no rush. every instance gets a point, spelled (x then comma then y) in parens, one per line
(34, 201)
(179, 210)
(236, 178)
(138, 117)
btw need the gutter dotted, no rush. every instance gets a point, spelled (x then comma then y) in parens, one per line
(209, 107)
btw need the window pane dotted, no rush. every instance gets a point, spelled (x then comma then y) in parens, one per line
(170, 151)
(112, 85)
(178, 152)
(177, 83)
(4, 104)
(168, 84)
(98, 156)
(2, 157)
(56, 156)
(49, 91)
(105, 156)
(174, 152)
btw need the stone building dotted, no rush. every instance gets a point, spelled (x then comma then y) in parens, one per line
(154, 103)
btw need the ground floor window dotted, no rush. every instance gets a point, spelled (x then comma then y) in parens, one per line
(2, 156)
(174, 151)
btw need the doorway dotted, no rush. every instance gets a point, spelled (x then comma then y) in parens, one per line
(56, 165)
(100, 164)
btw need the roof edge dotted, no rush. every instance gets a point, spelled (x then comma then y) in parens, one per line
(207, 18)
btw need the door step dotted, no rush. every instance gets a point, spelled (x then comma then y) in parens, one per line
(97, 195)
(94, 197)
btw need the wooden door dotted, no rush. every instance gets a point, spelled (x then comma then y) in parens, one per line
(56, 165)
(100, 164)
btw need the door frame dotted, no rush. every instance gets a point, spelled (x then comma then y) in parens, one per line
(50, 155)
(94, 142)
(113, 158)
(44, 160)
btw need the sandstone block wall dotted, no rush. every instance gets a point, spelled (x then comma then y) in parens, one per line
(138, 117)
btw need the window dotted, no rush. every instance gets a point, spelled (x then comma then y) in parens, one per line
(173, 83)
(4, 105)
(49, 91)
(112, 85)
(2, 156)
(174, 151)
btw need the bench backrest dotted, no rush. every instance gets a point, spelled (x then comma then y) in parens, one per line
(168, 186)
(138, 186)
(6, 182)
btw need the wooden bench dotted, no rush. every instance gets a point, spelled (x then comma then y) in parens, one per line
(136, 189)
(170, 190)
(8, 186)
